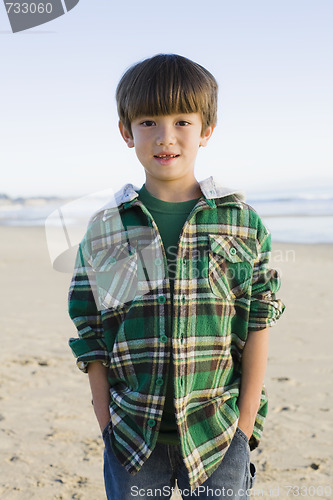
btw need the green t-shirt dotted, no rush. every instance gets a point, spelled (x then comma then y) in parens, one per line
(170, 219)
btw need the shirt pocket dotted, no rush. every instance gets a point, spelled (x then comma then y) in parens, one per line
(230, 265)
(115, 272)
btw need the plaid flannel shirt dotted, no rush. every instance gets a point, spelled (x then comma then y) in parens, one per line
(120, 301)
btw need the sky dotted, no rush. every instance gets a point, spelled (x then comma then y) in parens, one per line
(272, 59)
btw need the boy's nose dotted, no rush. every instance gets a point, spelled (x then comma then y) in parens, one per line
(165, 136)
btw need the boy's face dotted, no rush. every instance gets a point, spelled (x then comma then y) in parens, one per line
(167, 145)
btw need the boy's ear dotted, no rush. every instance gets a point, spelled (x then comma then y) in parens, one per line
(206, 135)
(126, 135)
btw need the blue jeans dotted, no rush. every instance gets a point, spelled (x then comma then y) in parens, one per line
(157, 477)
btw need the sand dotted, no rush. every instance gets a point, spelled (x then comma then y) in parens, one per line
(50, 444)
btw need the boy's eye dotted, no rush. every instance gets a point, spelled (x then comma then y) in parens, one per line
(183, 123)
(148, 123)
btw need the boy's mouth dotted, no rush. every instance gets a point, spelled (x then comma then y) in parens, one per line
(165, 157)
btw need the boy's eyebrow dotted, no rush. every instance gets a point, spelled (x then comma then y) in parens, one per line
(144, 117)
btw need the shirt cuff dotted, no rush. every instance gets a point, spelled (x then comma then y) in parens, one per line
(264, 313)
(89, 350)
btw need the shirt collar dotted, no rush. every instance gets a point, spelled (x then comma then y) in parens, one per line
(210, 189)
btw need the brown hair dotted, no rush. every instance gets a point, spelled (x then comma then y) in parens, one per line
(167, 84)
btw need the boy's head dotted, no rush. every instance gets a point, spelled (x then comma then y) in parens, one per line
(167, 84)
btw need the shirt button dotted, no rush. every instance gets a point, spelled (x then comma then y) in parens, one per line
(163, 338)
(113, 260)
(161, 299)
(82, 365)
(151, 422)
(158, 261)
(159, 381)
(233, 251)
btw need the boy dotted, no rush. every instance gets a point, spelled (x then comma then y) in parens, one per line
(172, 298)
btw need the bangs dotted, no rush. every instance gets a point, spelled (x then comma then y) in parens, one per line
(164, 93)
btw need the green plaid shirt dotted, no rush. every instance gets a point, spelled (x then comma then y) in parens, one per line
(120, 302)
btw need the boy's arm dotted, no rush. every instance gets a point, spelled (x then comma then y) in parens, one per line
(89, 347)
(100, 391)
(90, 344)
(265, 310)
(254, 361)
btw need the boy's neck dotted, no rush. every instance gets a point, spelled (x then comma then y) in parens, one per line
(173, 191)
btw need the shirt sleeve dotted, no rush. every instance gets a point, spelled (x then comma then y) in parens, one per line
(90, 344)
(265, 308)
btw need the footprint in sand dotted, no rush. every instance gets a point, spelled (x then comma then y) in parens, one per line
(288, 380)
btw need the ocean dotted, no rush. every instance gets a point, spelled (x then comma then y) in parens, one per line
(297, 216)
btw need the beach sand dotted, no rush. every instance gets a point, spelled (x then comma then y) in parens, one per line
(50, 444)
